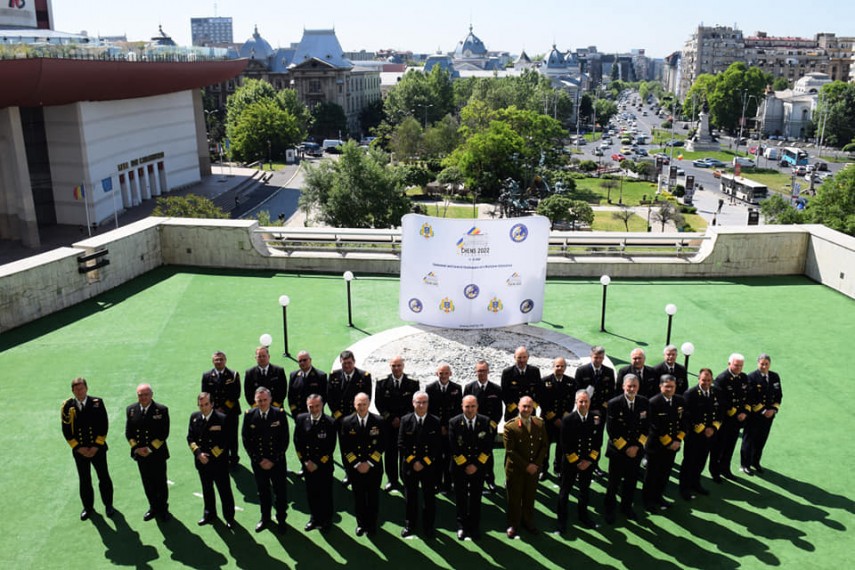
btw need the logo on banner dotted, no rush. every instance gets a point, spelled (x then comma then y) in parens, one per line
(471, 291)
(519, 232)
(514, 280)
(495, 305)
(426, 231)
(446, 305)
(473, 242)
(431, 279)
(526, 306)
(416, 305)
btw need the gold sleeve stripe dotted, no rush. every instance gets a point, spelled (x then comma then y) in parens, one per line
(193, 447)
(101, 439)
(699, 428)
(460, 459)
(72, 443)
(572, 458)
(620, 443)
(483, 458)
(217, 451)
(427, 461)
(156, 443)
(376, 456)
(325, 458)
(410, 458)
(665, 439)
(642, 439)
(595, 454)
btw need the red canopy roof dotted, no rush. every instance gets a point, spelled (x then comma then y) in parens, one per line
(45, 82)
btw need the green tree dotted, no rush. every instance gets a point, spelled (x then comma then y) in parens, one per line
(556, 208)
(780, 84)
(580, 213)
(329, 121)
(359, 190)
(263, 129)
(371, 116)
(836, 106)
(542, 136)
(834, 203)
(732, 90)
(441, 138)
(190, 206)
(251, 91)
(289, 100)
(605, 110)
(412, 96)
(406, 140)
(485, 158)
(777, 210)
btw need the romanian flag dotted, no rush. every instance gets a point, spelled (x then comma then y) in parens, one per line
(78, 192)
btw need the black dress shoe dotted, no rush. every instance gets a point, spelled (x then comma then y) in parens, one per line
(262, 524)
(702, 490)
(345, 481)
(687, 495)
(406, 531)
(758, 469)
(729, 475)
(588, 522)
(310, 526)
(282, 527)
(231, 524)
(542, 475)
(205, 520)
(747, 471)
(511, 532)
(85, 514)
(360, 531)
(110, 512)
(718, 479)
(165, 516)
(430, 533)
(610, 517)
(630, 514)
(389, 487)
(665, 504)
(461, 535)
(149, 514)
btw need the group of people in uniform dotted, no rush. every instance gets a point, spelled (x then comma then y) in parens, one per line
(440, 439)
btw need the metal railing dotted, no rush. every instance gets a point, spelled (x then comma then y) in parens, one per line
(347, 241)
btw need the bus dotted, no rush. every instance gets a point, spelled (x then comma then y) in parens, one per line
(791, 156)
(743, 188)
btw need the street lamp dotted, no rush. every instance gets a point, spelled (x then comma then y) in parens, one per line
(745, 99)
(284, 300)
(425, 107)
(348, 277)
(688, 349)
(670, 310)
(604, 281)
(265, 340)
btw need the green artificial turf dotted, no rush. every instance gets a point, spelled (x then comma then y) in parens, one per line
(162, 328)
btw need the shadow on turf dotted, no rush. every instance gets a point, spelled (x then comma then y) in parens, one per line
(124, 547)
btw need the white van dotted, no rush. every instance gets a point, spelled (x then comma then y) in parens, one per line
(772, 153)
(332, 145)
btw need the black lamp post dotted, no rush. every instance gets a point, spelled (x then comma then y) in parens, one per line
(688, 349)
(284, 300)
(348, 277)
(604, 280)
(670, 310)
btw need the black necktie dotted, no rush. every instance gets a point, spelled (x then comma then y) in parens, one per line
(264, 372)
(471, 425)
(631, 406)
(314, 423)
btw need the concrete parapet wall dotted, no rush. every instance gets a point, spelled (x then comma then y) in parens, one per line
(43, 284)
(831, 259)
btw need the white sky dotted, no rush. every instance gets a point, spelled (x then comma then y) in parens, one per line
(660, 27)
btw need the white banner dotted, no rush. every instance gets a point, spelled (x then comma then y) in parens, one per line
(471, 274)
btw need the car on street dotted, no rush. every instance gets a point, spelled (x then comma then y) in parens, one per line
(742, 161)
(663, 158)
(598, 152)
(674, 143)
(641, 152)
(618, 157)
(713, 162)
(700, 163)
(800, 170)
